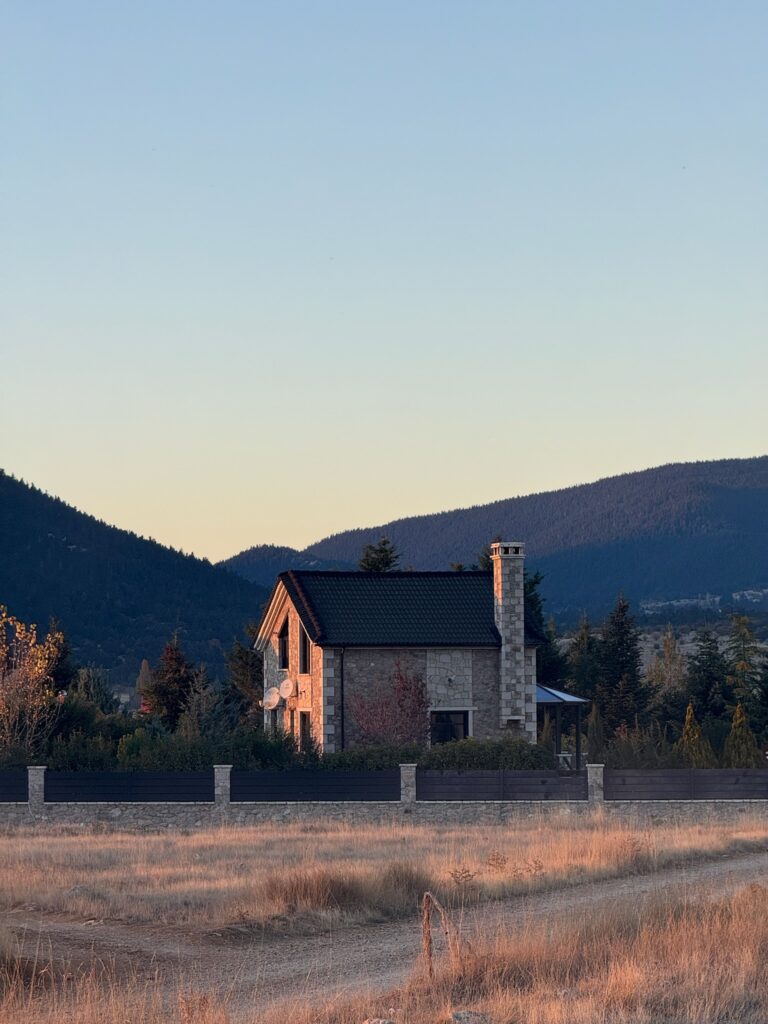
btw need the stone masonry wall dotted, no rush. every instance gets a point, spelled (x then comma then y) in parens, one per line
(310, 685)
(162, 816)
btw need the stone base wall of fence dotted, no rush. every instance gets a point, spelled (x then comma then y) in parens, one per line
(224, 797)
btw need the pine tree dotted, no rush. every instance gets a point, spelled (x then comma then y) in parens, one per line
(693, 746)
(744, 656)
(741, 749)
(198, 708)
(551, 666)
(245, 685)
(624, 696)
(583, 670)
(170, 684)
(708, 677)
(381, 557)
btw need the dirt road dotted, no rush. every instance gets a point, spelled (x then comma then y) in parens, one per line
(252, 973)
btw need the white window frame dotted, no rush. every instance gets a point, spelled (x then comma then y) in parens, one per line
(452, 707)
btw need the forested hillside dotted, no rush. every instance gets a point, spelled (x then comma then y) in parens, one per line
(261, 564)
(675, 531)
(117, 596)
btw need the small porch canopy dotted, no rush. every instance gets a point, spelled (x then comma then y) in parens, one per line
(547, 697)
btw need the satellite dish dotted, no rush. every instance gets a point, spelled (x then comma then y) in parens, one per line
(271, 698)
(287, 688)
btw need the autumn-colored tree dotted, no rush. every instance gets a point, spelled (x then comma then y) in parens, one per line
(694, 747)
(741, 749)
(744, 655)
(27, 691)
(393, 712)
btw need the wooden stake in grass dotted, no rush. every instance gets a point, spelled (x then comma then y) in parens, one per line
(452, 938)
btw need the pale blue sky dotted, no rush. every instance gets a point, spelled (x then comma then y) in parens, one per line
(270, 270)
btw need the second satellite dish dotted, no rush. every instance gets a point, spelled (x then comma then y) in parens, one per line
(287, 688)
(271, 698)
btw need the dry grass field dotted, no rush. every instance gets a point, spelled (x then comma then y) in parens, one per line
(120, 928)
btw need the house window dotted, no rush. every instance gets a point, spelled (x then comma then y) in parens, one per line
(445, 726)
(305, 732)
(304, 652)
(283, 645)
(292, 720)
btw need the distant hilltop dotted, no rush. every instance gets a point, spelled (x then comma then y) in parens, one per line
(660, 535)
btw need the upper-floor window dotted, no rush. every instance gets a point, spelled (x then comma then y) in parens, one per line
(283, 646)
(304, 652)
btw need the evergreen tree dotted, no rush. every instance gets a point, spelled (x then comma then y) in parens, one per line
(693, 746)
(708, 677)
(381, 557)
(245, 684)
(484, 560)
(624, 696)
(64, 671)
(744, 656)
(550, 661)
(198, 708)
(143, 685)
(741, 749)
(92, 685)
(170, 685)
(583, 669)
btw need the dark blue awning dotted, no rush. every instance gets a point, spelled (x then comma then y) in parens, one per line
(546, 695)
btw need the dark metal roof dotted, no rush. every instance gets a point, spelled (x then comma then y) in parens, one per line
(396, 609)
(546, 695)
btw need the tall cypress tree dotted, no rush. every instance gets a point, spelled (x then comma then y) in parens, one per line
(741, 749)
(624, 696)
(693, 745)
(744, 656)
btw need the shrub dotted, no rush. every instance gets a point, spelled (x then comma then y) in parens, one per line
(79, 752)
(513, 753)
(374, 757)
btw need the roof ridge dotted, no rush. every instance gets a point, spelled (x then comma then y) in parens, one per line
(301, 594)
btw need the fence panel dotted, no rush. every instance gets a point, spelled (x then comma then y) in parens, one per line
(13, 787)
(502, 784)
(647, 784)
(343, 784)
(129, 787)
(729, 783)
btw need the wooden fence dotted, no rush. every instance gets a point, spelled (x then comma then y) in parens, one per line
(342, 784)
(685, 784)
(500, 784)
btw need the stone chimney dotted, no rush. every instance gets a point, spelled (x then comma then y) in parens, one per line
(517, 705)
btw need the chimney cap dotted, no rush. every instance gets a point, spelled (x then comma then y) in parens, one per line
(507, 549)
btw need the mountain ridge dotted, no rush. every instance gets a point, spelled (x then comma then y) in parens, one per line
(649, 533)
(118, 596)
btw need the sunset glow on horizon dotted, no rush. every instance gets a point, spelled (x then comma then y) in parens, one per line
(275, 271)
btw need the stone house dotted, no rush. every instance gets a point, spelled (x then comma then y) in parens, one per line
(326, 635)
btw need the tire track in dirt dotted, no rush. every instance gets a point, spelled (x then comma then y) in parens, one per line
(269, 969)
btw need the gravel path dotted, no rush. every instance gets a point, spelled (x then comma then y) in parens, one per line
(255, 972)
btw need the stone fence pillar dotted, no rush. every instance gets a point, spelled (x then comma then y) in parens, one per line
(36, 788)
(221, 784)
(407, 783)
(595, 783)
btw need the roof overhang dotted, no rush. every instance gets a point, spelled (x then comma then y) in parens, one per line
(275, 606)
